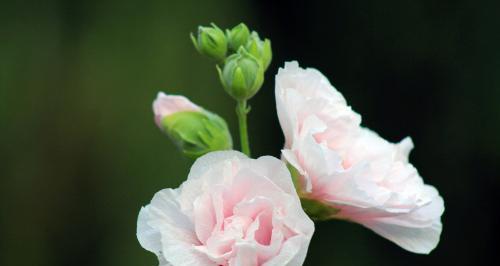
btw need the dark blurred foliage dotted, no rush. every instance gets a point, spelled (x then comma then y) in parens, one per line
(80, 153)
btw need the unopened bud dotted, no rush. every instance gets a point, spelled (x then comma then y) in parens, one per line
(260, 49)
(242, 76)
(237, 36)
(194, 130)
(211, 41)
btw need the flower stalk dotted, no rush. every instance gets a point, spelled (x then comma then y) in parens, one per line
(241, 111)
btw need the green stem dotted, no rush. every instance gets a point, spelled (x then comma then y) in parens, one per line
(242, 111)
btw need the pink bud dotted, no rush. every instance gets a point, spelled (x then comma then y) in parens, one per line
(165, 105)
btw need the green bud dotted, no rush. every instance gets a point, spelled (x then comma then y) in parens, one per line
(197, 133)
(237, 36)
(211, 42)
(242, 76)
(260, 49)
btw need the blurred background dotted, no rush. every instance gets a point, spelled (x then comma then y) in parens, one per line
(80, 154)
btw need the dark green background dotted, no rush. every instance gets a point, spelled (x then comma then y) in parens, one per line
(80, 154)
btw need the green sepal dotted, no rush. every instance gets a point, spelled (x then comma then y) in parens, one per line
(295, 178)
(318, 210)
(238, 83)
(197, 133)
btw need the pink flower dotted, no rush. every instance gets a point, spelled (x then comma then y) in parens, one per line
(165, 105)
(231, 210)
(359, 175)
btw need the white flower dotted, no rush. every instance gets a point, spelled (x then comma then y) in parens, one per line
(350, 168)
(231, 210)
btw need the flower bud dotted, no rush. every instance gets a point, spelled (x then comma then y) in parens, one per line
(194, 130)
(242, 76)
(260, 49)
(237, 36)
(211, 42)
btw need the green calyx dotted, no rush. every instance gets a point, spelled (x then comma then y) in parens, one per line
(197, 133)
(242, 75)
(316, 209)
(237, 36)
(295, 178)
(211, 41)
(260, 49)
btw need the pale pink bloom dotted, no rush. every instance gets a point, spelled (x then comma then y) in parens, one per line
(231, 210)
(165, 105)
(350, 168)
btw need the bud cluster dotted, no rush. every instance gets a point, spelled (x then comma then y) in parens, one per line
(242, 57)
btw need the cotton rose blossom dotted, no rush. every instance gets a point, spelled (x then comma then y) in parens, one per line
(357, 174)
(231, 210)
